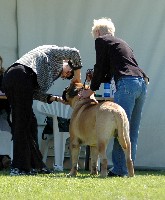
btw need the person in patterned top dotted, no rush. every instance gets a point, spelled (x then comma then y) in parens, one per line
(29, 78)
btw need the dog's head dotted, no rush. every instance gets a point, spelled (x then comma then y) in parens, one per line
(72, 91)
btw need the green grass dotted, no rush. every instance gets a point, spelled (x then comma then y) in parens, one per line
(146, 185)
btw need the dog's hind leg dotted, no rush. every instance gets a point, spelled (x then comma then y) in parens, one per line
(124, 140)
(94, 158)
(103, 157)
(128, 159)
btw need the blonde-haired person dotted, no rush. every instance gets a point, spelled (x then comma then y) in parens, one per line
(115, 58)
(102, 26)
(29, 78)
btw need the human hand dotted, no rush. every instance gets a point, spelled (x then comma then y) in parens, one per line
(61, 100)
(85, 93)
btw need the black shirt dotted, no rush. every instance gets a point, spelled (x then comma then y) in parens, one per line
(114, 58)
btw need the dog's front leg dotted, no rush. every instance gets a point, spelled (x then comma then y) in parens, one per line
(75, 149)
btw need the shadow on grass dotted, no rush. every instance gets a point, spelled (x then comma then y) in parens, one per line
(82, 174)
(150, 172)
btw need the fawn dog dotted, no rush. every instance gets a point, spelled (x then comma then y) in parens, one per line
(94, 124)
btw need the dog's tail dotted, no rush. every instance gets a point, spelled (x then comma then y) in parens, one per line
(123, 128)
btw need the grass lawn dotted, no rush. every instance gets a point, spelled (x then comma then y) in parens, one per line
(146, 185)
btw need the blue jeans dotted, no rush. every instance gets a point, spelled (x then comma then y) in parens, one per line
(130, 94)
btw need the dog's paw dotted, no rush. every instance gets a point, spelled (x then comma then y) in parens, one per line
(70, 175)
(94, 173)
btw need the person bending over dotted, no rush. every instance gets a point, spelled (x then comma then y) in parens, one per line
(29, 78)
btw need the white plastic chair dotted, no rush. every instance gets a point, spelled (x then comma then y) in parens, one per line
(55, 110)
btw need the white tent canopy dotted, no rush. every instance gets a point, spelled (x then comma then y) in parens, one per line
(28, 24)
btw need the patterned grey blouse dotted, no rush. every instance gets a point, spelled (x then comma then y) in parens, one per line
(47, 62)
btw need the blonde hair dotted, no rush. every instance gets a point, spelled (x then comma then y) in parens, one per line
(104, 25)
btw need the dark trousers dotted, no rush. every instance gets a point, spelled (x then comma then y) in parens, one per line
(19, 84)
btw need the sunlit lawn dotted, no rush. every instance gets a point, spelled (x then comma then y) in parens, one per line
(145, 185)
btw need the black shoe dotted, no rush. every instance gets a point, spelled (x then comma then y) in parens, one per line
(33, 172)
(45, 170)
(19, 172)
(111, 174)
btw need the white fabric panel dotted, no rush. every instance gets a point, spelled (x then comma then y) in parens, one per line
(8, 32)
(61, 22)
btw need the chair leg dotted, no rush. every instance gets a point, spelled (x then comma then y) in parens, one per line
(58, 146)
(99, 164)
(46, 148)
(45, 155)
(60, 141)
(11, 151)
(65, 136)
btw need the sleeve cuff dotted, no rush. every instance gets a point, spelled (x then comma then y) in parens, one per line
(76, 68)
(48, 99)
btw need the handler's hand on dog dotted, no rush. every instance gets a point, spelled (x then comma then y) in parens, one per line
(61, 100)
(87, 93)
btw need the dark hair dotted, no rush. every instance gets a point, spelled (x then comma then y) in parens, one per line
(71, 76)
(70, 64)
(72, 71)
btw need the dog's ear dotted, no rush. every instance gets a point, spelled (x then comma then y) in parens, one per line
(70, 91)
(64, 93)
